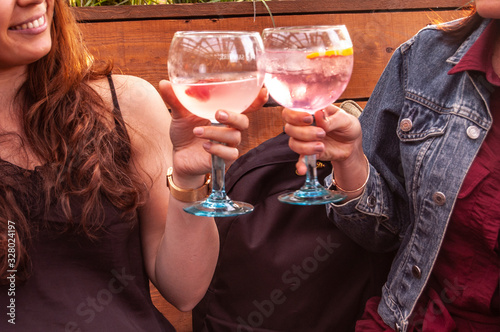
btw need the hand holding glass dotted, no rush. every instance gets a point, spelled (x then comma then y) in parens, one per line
(210, 71)
(307, 69)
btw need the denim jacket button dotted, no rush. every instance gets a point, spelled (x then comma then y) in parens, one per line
(473, 132)
(406, 125)
(439, 198)
(417, 273)
(371, 201)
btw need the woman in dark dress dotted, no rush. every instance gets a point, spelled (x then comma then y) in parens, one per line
(86, 219)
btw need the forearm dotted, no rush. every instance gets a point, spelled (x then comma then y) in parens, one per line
(186, 257)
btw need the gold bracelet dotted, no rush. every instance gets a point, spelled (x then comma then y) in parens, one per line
(355, 190)
(188, 195)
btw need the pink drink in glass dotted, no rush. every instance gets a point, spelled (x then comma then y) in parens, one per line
(303, 84)
(205, 97)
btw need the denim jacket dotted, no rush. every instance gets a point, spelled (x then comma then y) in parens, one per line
(422, 129)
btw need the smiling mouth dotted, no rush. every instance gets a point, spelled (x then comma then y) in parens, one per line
(30, 25)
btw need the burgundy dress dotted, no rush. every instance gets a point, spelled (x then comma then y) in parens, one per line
(76, 283)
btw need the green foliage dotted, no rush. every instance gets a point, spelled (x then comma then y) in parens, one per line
(90, 3)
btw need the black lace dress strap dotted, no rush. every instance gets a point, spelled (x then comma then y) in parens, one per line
(119, 122)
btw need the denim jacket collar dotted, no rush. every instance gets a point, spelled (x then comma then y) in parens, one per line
(484, 87)
(467, 44)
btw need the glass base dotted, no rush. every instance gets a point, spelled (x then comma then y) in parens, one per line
(218, 208)
(312, 196)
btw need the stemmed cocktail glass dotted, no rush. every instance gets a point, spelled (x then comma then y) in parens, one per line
(307, 69)
(210, 71)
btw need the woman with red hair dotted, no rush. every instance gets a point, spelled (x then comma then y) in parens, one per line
(86, 220)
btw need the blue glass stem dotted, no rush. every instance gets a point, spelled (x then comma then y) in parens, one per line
(312, 192)
(218, 179)
(218, 204)
(312, 173)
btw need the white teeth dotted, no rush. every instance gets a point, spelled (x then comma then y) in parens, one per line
(30, 25)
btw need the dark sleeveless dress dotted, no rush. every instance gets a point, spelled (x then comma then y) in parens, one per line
(76, 283)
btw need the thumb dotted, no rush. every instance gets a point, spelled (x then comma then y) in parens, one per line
(177, 110)
(324, 118)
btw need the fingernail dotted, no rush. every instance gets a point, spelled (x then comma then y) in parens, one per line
(207, 145)
(320, 134)
(198, 131)
(222, 116)
(308, 119)
(318, 148)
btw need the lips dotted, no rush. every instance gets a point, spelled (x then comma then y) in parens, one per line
(30, 25)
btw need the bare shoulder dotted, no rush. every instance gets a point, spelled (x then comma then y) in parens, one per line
(146, 117)
(139, 101)
(141, 105)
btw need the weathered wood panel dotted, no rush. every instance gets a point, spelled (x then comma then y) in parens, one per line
(277, 7)
(141, 47)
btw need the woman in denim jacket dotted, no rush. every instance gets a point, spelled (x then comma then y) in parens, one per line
(429, 184)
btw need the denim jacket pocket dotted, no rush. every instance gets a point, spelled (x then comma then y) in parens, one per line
(421, 128)
(418, 122)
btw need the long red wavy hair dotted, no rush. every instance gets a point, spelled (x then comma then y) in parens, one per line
(70, 129)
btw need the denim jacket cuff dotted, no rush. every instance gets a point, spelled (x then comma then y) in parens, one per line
(370, 202)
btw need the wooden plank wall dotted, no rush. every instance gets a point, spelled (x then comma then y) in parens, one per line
(137, 38)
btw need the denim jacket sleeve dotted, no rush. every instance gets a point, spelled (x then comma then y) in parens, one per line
(378, 218)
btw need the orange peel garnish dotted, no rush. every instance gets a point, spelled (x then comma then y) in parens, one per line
(343, 52)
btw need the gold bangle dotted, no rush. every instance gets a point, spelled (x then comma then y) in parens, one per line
(188, 195)
(355, 190)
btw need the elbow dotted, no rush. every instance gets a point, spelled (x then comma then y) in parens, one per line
(186, 307)
(187, 303)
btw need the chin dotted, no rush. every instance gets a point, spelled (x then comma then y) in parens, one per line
(40, 52)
